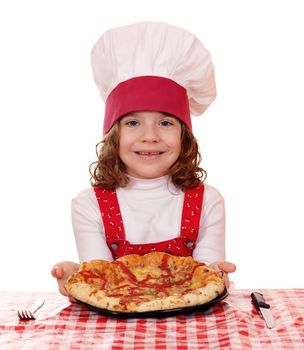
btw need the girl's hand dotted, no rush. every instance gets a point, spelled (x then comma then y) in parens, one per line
(224, 267)
(62, 271)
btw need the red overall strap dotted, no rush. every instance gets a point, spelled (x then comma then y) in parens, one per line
(191, 215)
(110, 212)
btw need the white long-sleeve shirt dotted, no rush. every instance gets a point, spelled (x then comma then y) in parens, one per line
(151, 211)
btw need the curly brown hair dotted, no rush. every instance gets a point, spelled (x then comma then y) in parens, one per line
(110, 172)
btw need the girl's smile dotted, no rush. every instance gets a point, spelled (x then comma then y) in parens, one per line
(149, 155)
(150, 143)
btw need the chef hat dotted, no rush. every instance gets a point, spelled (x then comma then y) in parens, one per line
(152, 66)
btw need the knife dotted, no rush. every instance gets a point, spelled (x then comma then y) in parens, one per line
(259, 302)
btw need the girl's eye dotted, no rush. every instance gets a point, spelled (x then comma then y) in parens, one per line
(166, 123)
(132, 123)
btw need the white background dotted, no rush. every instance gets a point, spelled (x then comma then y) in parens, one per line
(251, 137)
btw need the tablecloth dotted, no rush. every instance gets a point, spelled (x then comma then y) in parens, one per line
(233, 323)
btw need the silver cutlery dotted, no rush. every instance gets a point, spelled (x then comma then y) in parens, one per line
(28, 314)
(264, 308)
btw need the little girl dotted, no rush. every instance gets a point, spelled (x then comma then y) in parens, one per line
(148, 192)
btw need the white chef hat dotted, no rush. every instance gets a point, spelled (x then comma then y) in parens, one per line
(152, 66)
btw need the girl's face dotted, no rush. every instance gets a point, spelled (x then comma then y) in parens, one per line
(150, 143)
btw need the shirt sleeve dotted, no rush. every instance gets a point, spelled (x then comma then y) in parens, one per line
(88, 228)
(210, 245)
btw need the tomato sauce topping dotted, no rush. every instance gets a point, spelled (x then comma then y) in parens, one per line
(88, 276)
(137, 292)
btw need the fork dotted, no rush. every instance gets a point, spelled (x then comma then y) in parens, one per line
(28, 314)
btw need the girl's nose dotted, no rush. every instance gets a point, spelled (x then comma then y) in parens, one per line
(150, 134)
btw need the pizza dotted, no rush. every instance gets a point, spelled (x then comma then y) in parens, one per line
(139, 283)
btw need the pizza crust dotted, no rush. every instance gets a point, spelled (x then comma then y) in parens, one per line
(85, 293)
(199, 297)
(98, 280)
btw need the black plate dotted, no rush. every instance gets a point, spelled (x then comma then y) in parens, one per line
(158, 313)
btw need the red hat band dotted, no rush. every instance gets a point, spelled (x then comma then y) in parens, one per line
(147, 93)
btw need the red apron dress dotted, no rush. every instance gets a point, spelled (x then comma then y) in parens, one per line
(182, 245)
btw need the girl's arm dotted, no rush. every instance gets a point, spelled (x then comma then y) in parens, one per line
(89, 237)
(225, 267)
(88, 228)
(210, 247)
(62, 271)
(210, 244)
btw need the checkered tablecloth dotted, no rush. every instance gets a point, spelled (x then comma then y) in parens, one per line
(233, 323)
